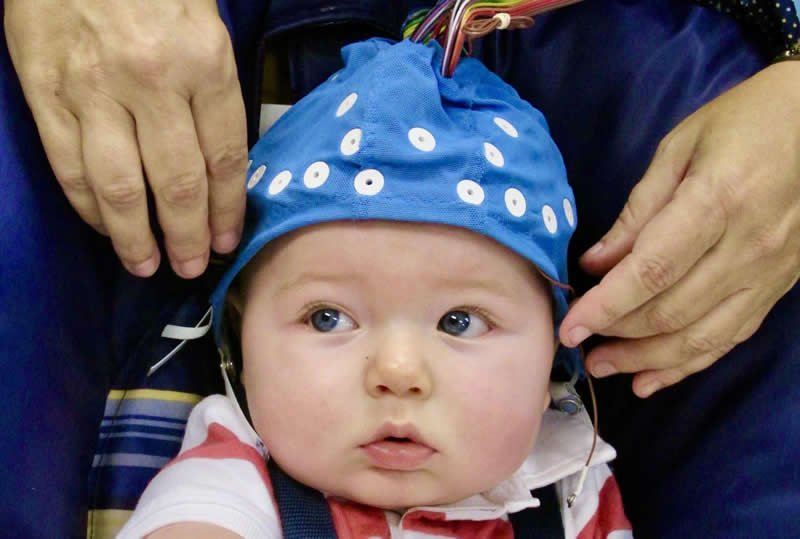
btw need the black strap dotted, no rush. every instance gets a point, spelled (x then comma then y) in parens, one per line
(543, 522)
(303, 510)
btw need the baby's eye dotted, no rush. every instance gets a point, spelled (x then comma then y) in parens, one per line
(329, 320)
(463, 324)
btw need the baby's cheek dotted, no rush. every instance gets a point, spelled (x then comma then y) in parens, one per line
(504, 440)
(502, 421)
(293, 411)
(283, 426)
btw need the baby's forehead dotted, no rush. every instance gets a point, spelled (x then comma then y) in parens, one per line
(444, 256)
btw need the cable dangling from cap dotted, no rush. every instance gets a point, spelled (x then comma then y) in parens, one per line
(450, 22)
(579, 487)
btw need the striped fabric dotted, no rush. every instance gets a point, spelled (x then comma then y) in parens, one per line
(141, 431)
(145, 416)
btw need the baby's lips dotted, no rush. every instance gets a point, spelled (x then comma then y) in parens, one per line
(401, 454)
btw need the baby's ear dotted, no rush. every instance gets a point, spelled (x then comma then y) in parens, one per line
(234, 301)
(234, 307)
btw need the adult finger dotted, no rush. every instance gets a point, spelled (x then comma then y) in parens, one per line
(671, 243)
(176, 172)
(648, 382)
(706, 285)
(668, 358)
(61, 138)
(111, 158)
(723, 270)
(222, 134)
(647, 198)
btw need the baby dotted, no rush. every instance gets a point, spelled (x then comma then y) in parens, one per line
(388, 326)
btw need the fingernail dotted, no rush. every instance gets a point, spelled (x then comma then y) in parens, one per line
(192, 268)
(577, 335)
(146, 268)
(596, 248)
(648, 389)
(603, 369)
(226, 242)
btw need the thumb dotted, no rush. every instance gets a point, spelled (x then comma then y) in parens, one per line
(647, 198)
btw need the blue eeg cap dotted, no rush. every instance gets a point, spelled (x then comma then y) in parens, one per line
(389, 137)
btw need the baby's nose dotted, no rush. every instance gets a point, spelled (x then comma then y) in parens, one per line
(398, 368)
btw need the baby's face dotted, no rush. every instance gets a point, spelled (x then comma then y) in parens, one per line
(396, 364)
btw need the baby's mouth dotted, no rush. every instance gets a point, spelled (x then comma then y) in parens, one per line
(398, 453)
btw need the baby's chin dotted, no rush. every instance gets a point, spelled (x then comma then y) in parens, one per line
(400, 494)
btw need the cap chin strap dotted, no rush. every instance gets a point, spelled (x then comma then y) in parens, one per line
(225, 364)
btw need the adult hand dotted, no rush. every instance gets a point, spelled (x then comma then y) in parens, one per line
(707, 243)
(128, 92)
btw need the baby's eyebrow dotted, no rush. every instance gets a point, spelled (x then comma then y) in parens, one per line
(493, 286)
(307, 277)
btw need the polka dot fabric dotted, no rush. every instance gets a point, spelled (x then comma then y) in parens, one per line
(775, 20)
(388, 137)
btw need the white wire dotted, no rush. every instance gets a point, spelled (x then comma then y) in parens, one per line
(183, 334)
